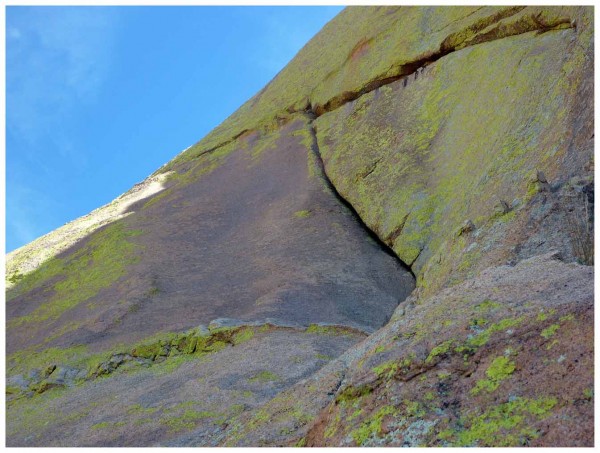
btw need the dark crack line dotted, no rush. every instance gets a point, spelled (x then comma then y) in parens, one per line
(418, 255)
(338, 384)
(319, 159)
(391, 238)
(408, 69)
(371, 169)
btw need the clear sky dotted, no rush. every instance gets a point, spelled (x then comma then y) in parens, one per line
(97, 98)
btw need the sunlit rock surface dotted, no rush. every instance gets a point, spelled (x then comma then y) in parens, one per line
(254, 290)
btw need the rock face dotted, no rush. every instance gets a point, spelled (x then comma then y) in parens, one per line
(255, 290)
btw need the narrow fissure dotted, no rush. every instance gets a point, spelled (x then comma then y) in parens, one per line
(408, 69)
(319, 159)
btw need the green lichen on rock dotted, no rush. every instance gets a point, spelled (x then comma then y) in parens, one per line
(264, 376)
(302, 214)
(374, 47)
(164, 351)
(81, 276)
(426, 118)
(351, 394)
(371, 427)
(108, 425)
(387, 370)
(439, 350)
(437, 163)
(188, 419)
(505, 425)
(243, 335)
(301, 443)
(544, 314)
(483, 337)
(549, 331)
(500, 369)
(487, 305)
(333, 426)
(328, 330)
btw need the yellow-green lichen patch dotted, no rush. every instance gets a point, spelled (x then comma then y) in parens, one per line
(414, 408)
(172, 364)
(302, 214)
(108, 425)
(543, 315)
(82, 275)
(329, 330)
(482, 338)
(264, 376)
(504, 425)
(301, 443)
(378, 43)
(389, 369)
(242, 336)
(549, 331)
(283, 410)
(440, 350)
(477, 323)
(332, 427)
(443, 375)
(487, 305)
(142, 421)
(371, 427)
(500, 369)
(29, 415)
(268, 141)
(165, 351)
(569, 317)
(355, 414)
(201, 162)
(189, 419)
(352, 393)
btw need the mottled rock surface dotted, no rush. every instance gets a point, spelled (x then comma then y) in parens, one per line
(253, 291)
(502, 359)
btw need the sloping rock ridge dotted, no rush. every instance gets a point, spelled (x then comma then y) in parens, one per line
(391, 244)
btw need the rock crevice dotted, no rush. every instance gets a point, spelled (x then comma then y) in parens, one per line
(481, 32)
(314, 147)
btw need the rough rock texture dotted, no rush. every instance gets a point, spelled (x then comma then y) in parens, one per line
(461, 138)
(184, 400)
(232, 306)
(425, 379)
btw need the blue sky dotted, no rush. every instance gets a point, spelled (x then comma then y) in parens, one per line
(97, 98)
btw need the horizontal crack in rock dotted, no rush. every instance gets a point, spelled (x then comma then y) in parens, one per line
(467, 37)
(199, 341)
(452, 43)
